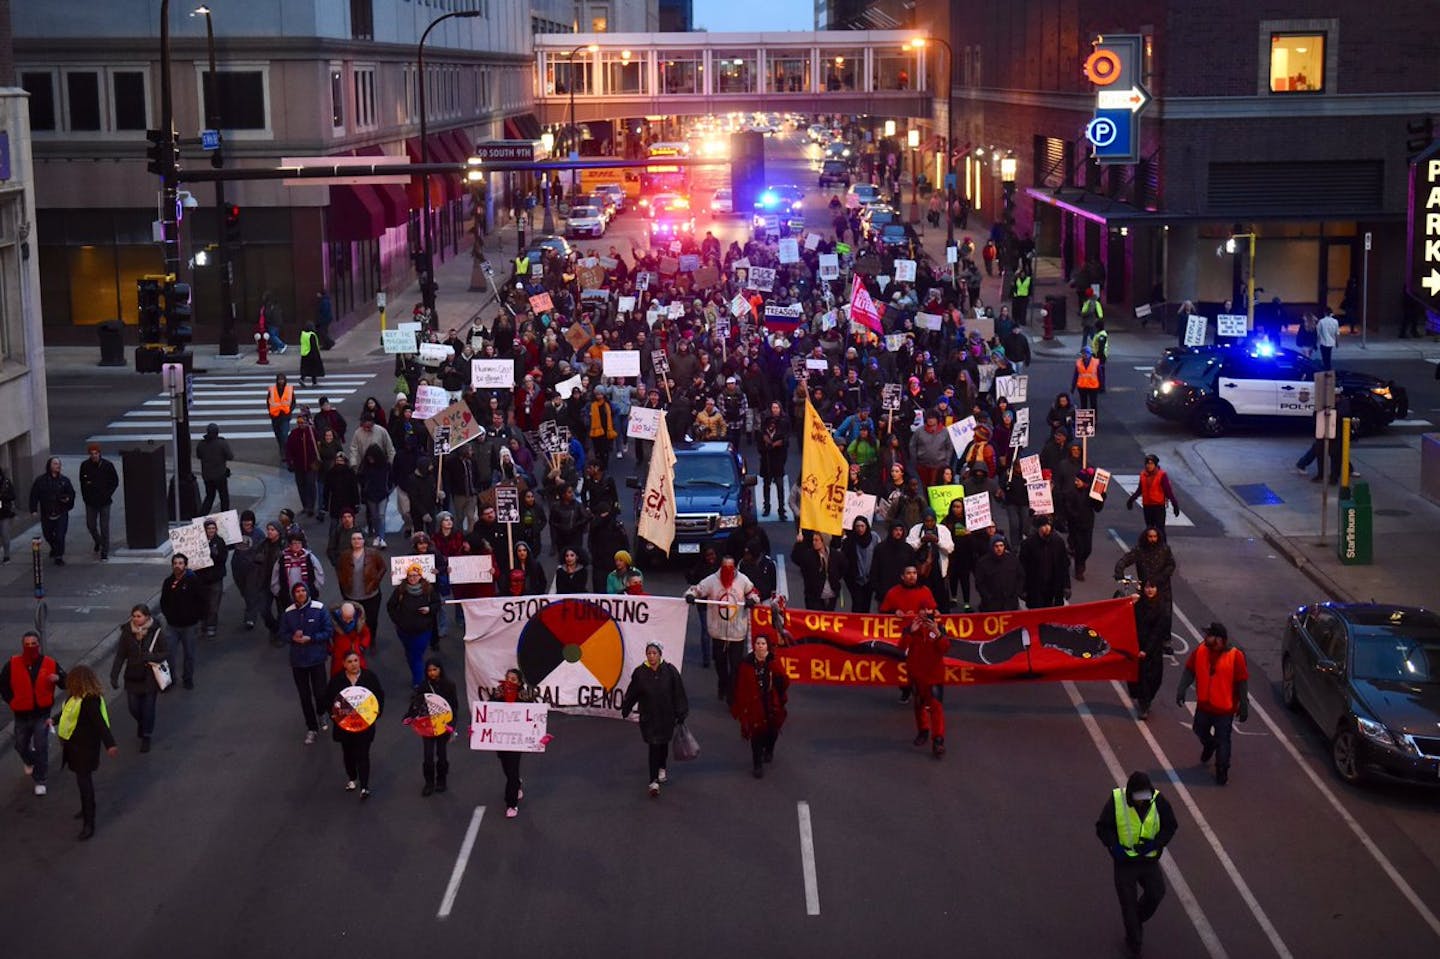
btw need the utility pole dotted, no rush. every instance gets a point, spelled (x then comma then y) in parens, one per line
(229, 344)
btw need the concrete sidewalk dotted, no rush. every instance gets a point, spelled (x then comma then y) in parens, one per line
(1283, 506)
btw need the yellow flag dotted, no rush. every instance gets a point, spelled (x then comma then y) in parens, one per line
(823, 478)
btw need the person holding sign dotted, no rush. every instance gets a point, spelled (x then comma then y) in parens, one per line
(1076, 510)
(354, 726)
(511, 689)
(412, 608)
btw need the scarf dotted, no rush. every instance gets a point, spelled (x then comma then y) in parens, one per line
(414, 589)
(727, 576)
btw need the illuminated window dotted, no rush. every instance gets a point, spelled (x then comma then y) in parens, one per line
(1297, 62)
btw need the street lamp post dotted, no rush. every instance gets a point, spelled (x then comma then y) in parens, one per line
(1233, 247)
(917, 43)
(571, 146)
(426, 267)
(914, 140)
(1009, 166)
(229, 344)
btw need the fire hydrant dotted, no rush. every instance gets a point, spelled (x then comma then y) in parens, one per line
(262, 343)
(1048, 321)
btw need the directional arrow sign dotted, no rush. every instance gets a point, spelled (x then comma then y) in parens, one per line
(1133, 99)
(1422, 269)
(1432, 283)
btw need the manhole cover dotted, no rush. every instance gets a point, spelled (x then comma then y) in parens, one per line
(1392, 512)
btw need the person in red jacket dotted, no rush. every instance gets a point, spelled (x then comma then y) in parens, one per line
(924, 646)
(27, 684)
(1222, 695)
(757, 701)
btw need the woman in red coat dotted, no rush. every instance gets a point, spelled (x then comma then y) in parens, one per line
(757, 700)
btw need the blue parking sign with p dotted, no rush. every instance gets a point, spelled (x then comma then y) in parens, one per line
(1112, 134)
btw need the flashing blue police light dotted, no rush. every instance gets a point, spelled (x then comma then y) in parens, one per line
(768, 199)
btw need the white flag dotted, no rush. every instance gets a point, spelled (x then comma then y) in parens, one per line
(657, 505)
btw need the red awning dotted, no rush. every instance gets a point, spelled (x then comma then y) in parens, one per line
(414, 191)
(355, 213)
(397, 204)
(461, 143)
(443, 149)
(524, 126)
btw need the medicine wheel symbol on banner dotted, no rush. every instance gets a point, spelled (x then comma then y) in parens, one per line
(569, 635)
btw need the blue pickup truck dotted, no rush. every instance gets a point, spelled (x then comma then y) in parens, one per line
(713, 493)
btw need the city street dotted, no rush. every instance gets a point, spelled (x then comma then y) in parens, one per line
(234, 839)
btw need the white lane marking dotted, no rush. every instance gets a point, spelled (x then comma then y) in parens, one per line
(807, 860)
(157, 437)
(1130, 482)
(1182, 888)
(1144, 369)
(141, 418)
(1190, 708)
(1370, 845)
(782, 578)
(1411, 423)
(458, 873)
(1241, 886)
(268, 378)
(209, 399)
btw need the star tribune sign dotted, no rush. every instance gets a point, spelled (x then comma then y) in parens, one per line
(1422, 276)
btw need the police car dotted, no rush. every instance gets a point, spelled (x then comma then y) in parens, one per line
(1214, 387)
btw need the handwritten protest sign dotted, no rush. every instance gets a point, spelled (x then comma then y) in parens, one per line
(645, 423)
(1030, 467)
(433, 354)
(789, 250)
(458, 422)
(977, 512)
(399, 564)
(1100, 484)
(227, 525)
(566, 387)
(621, 363)
(761, 278)
(492, 374)
(1042, 501)
(472, 569)
(190, 540)
(1013, 388)
(904, 271)
(625, 304)
(541, 303)
(961, 433)
(397, 341)
(857, 505)
(509, 727)
(429, 400)
(941, 497)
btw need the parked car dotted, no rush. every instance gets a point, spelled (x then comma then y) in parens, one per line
(585, 221)
(893, 235)
(1213, 388)
(713, 493)
(722, 202)
(603, 202)
(834, 171)
(1369, 676)
(616, 192)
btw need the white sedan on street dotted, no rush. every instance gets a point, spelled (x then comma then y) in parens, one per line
(722, 202)
(585, 221)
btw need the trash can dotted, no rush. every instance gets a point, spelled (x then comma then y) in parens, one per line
(1056, 307)
(112, 343)
(1356, 526)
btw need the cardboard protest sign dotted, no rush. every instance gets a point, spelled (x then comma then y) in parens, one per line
(625, 304)
(541, 303)
(762, 279)
(829, 266)
(227, 525)
(492, 374)
(705, 277)
(977, 512)
(1014, 388)
(645, 423)
(190, 540)
(789, 250)
(458, 422)
(1030, 467)
(890, 397)
(621, 363)
(689, 262)
(1042, 500)
(399, 564)
(577, 335)
(507, 503)
(429, 400)
(590, 277)
(433, 354)
(669, 265)
(983, 324)
(1100, 484)
(904, 271)
(471, 569)
(397, 341)
(857, 505)
(961, 433)
(928, 321)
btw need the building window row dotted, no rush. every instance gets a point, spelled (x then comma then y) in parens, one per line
(88, 99)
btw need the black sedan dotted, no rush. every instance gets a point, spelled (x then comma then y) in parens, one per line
(1369, 675)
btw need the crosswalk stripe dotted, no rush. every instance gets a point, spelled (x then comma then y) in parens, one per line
(1130, 482)
(267, 378)
(1411, 423)
(166, 437)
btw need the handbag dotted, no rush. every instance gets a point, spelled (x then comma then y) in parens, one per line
(683, 745)
(161, 671)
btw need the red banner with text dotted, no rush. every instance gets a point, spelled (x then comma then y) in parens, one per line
(1088, 641)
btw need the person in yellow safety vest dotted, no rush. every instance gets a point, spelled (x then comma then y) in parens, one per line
(1153, 491)
(1090, 312)
(1020, 297)
(1086, 380)
(522, 266)
(1222, 695)
(280, 398)
(1135, 825)
(1100, 346)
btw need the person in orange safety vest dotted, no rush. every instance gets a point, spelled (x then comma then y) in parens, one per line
(1222, 695)
(1086, 379)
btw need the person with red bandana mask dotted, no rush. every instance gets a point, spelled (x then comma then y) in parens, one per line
(27, 684)
(924, 645)
(727, 617)
(511, 689)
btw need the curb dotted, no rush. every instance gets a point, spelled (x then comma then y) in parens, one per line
(1262, 528)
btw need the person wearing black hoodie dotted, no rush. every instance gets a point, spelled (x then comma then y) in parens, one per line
(1135, 826)
(999, 577)
(1047, 566)
(182, 603)
(1152, 631)
(435, 764)
(892, 555)
(859, 548)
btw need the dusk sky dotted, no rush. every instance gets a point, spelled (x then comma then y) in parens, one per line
(754, 15)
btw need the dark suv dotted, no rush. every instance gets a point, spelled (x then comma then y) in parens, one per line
(835, 171)
(1214, 387)
(1369, 675)
(713, 493)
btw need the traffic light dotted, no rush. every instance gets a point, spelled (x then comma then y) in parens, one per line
(177, 316)
(163, 153)
(147, 290)
(232, 223)
(1420, 133)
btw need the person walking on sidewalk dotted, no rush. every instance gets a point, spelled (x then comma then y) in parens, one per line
(1222, 695)
(182, 603)
(98, 483)
(215, 455)
(657, 690)
(355, 743)
(1154, 493)
(312, 364)
(306, 627)
(7, 512)
(280, 400)
(52, 497)
(1135, 825)
(84, 729)
(1327, 337)
(302, 456)
(212, 577)
(28, 682)
(142, 643)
